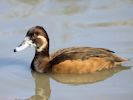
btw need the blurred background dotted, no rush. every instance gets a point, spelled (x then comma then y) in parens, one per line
(95, 23)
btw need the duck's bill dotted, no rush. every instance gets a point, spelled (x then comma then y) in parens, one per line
(26, 43)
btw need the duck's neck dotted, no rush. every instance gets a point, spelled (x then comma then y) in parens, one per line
(41, 60)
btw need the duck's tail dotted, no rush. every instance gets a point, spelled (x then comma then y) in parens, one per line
(123, 59)
(119, 59)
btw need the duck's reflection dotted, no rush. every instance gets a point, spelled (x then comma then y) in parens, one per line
(87, 78)
(42, 82)
(42, 87)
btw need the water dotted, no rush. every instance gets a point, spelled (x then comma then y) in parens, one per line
(104, 23)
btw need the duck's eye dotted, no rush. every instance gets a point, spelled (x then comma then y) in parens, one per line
(36, 33)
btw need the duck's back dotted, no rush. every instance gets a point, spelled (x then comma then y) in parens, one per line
(83, 60)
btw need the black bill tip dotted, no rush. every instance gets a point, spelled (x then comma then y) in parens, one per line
(15, 50)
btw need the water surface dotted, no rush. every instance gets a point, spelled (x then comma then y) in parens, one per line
(104, 23)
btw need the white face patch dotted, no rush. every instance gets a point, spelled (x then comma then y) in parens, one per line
(26, 43)
(44, 43)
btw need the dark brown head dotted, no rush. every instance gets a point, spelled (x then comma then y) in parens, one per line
(36, 37)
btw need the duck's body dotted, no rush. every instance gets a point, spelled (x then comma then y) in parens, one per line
(83, 60)
(76, 60)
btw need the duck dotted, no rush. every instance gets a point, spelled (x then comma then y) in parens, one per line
(71, 60)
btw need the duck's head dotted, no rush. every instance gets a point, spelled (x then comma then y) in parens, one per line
(36, 37)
